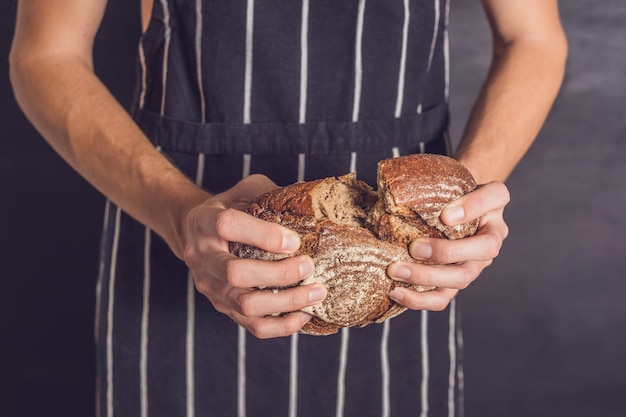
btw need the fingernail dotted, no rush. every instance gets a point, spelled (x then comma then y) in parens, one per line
(291, 242)
(454, 214)
(421, 250)
(305, 317)
(305, 268)
(317, 293)
(399, 271)
(396, 295)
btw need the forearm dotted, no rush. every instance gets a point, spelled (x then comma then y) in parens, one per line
(513, 103)
(84, 123)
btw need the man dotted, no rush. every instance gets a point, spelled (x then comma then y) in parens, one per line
(292, 90)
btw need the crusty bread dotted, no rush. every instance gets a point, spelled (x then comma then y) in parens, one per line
(353, 233)
(413, 191)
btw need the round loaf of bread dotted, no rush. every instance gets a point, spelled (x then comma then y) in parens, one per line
(353, 233)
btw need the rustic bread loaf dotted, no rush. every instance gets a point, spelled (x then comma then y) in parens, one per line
(353, 233)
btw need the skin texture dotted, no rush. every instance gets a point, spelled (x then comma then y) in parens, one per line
(529, 53)
(51, 71)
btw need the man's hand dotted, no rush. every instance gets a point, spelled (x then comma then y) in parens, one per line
(228, 281)
(457, 263)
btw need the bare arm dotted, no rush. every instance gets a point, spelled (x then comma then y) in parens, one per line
(54, 83)
(525, 75)
(528, 63)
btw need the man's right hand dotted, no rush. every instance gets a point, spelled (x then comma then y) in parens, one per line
(229, 282)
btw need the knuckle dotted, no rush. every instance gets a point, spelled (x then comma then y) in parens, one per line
(229, 272)
(192, 219)
(254, 330)
(506, 195)
(244, 304)
(202, 286)
(258, 331)
(190, 256)
(505, 231)
(492, 245)
(292, 326)
(466, 277)
(502, 191)
(225, 221)
(220, 307)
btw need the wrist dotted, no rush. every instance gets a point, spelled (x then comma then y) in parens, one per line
(177, 218)
(487, 162)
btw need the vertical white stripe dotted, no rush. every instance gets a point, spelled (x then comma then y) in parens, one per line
(110, 306)
(241, 372)
(200, 169)
(304, 59)
(433, 41)
(433, 44)
(142, 62)
(97, 319)
(395, 152)
(166, 51)
(293, 377)
(247, 91)
(247, 160)
(460, 373)
(199, 59)
(385, 371)
(293, 363)
(402, 70)
(190, 346)
(105, 227)
(422, 147)
(191, 320)
(358, 63)
(425, 364)
(301, 166)
(446, 57)
(145, 320)
(341, 376)
(353, 162)
(145, 316)
(241, 335)
(446, 50)
(452, 350)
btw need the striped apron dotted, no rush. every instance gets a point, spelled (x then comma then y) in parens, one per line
(295, 90)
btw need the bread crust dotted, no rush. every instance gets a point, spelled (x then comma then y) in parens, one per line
(418, 187)
(353, 233)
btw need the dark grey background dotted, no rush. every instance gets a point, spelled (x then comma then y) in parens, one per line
(545, 326)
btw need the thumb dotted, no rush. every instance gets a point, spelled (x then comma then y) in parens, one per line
(250, 188)
(487, 197)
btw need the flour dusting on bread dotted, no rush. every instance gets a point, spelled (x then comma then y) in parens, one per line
(353, 233)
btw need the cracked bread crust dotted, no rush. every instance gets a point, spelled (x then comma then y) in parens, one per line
(353, 233)
(416, 188)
